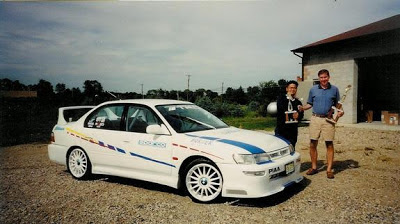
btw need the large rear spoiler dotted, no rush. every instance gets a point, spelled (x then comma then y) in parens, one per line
(69, 114)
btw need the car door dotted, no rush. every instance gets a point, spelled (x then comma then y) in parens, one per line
(149, 153)
(103, 143)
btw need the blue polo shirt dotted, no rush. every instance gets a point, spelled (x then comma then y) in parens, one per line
(323, 99)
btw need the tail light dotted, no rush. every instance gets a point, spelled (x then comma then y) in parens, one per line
(52, 138)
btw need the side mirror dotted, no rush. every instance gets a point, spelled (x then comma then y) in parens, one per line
(157, 129)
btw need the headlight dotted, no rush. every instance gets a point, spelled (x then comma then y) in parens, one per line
(291, 149)
(252, 158)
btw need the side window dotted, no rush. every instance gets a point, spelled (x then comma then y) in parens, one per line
(138, 118)
(108, 117)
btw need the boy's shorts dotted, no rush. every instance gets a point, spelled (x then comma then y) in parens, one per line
(318, 126)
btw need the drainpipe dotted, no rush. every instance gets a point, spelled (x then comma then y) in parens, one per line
(302, 69)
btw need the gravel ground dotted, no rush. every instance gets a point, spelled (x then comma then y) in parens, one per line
(365, 190)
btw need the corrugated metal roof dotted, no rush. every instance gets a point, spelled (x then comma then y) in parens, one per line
(387, 24)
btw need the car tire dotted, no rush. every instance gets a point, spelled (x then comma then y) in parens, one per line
(203, 181)
(78, 164)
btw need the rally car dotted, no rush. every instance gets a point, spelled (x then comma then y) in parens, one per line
(173, 143)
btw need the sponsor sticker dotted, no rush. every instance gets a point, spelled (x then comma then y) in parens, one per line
(152, 143)
(201, 141)
(274, 170)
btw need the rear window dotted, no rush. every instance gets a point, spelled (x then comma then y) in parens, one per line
(75, 114)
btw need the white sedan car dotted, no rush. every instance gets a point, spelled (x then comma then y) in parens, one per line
(173, 143)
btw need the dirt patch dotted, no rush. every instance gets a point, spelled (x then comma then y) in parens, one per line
(365, 190)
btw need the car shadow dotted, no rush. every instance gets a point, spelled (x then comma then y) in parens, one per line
(141, 184)
(132, 182)
(271, 200)
(268, 201)
(338, 166)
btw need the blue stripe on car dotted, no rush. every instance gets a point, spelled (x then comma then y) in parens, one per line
(251, 148)
(284, 139)
(121, 150)
(289, 183)
(150, 159)
(59, 128)
(265, 162)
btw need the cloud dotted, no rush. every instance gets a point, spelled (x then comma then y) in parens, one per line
(125, 44)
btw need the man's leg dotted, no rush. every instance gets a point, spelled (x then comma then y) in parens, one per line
(329, 155)
(313, 153)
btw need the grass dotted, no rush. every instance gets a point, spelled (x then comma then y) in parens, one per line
(252, 122)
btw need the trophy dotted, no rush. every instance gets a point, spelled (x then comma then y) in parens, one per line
(290, 112)
(333, 117)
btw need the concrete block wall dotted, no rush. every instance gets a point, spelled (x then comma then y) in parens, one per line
(342, 74)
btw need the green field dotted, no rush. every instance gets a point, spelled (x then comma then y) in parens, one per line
(252, 122)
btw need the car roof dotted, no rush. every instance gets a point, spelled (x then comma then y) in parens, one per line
(148, 102)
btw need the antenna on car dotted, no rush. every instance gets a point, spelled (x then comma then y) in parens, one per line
(113, 95)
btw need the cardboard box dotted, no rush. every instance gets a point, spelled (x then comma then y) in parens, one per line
(370, 116)
(393, 119)
(385, 116)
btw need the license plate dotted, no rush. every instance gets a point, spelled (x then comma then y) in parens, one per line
(289, 168)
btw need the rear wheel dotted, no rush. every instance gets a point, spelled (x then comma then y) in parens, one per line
(203, 181)
(79, 164)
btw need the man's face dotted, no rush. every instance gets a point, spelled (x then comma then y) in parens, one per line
(291, 89)
(323, 79)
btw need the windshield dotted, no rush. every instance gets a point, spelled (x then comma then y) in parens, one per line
(188, 118)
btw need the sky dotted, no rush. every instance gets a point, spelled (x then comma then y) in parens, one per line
(163, 44)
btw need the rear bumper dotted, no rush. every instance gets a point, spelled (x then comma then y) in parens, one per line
(254, 181)
(58, 153)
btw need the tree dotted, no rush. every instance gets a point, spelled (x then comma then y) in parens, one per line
(240, 96)
(8, 85)
(60, 88)
(236, 95)
(282, 85)
(93, 91)
(44, 90)
(253, 93)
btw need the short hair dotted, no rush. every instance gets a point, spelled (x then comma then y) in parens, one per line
(292, 82)
(323, 71)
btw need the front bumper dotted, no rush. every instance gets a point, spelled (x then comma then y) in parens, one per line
(253, 181)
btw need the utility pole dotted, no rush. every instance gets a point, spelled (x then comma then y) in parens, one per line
(187, 93)
(222, 90)
(142, 91)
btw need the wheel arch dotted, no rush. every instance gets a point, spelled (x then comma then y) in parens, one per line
(72, 148)
(78, 147)
(186, 163)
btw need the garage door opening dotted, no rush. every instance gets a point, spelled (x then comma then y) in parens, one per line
(378, 86)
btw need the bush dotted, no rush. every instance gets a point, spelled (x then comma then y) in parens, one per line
(205, 103)
(262, 110)
(220, 109)
(253, 106)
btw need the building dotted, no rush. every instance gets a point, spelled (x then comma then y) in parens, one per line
(367, 58)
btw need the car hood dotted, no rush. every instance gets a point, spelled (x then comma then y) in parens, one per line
(243, 141)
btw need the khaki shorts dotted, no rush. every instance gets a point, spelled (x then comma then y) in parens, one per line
(318, 126)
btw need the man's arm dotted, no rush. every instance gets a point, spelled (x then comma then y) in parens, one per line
(305, 107)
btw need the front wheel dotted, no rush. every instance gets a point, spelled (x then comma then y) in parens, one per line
(79, 164)
(203, 181)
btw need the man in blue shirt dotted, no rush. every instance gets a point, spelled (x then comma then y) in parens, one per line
(321, 98)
